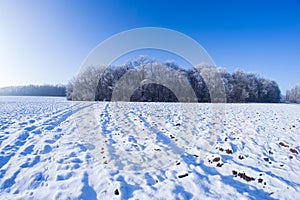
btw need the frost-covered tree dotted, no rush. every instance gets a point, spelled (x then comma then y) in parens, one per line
(146, 79)
(293, 95)
(198, 84)
(252, 87)
(83, 86)
(70, 88)
(268, 91)
(239, 92)
(226, 78)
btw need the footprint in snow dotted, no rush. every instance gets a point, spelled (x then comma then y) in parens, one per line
(30, 128)
(47, 149)
(64, 177)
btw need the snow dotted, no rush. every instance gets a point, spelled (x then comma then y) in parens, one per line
(51, 148)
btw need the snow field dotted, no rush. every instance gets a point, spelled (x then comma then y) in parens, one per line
(54, 149)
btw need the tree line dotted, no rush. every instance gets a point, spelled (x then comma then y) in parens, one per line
(34, 90)
(146, 79)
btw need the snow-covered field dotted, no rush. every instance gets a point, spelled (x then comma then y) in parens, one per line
(54, 149)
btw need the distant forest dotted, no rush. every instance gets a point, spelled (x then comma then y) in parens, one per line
(239, 87)
(34, 90)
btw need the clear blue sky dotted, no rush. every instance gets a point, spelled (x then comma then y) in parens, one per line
(46, 41)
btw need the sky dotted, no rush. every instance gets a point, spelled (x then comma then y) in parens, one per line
(45, 42)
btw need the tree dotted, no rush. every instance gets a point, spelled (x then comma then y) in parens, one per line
(293, 95)
(239, 92)
(83, 86)
(198, 85)
(268, 91)
(70, 88)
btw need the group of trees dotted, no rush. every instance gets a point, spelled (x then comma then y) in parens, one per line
(293, 95)
(146, 79)
(34, 90)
